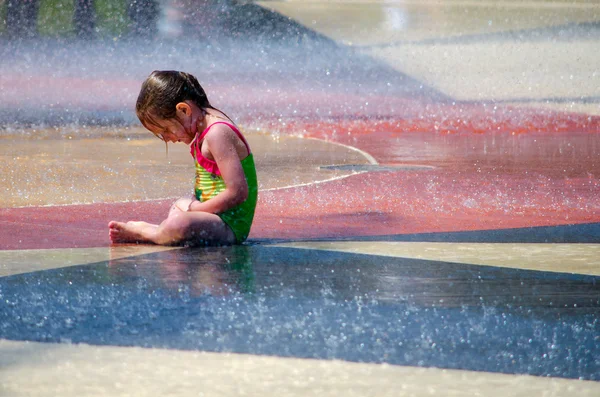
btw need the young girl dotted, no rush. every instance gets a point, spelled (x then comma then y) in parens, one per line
(174, 107)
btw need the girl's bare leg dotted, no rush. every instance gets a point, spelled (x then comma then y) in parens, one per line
(179, 228)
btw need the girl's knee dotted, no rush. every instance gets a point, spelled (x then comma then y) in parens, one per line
(194, 228)
(174, 229)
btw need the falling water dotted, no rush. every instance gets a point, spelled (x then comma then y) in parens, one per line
(456, 149)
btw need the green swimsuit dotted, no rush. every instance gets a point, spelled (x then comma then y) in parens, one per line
(209, 183)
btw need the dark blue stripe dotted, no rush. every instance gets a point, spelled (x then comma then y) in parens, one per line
(324, 305)
(578, 233)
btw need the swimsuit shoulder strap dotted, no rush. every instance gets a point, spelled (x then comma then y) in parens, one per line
(233, 127)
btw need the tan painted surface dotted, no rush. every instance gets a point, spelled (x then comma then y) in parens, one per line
(501, 70)
(99, 165)
(25, 261)
(380, 22)
(423, 40)
(572, 106)
(40, 369)
(567, 258)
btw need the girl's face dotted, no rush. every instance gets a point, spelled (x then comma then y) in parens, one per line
(181, 128)
(172, 130)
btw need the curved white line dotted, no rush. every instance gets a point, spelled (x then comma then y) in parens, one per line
(369, 158)
(313, 183)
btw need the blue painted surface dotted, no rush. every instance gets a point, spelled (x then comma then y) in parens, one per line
(298, 303)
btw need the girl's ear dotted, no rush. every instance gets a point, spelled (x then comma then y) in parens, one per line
(183, 109)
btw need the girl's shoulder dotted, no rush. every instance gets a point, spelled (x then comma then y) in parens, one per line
(221, 127)
(223, 133)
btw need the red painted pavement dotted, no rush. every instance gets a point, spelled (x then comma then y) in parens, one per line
(540, 170)
(495, 166)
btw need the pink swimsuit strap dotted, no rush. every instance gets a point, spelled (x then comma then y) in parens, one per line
(197, 153)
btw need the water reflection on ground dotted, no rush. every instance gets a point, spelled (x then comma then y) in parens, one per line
(215, 272)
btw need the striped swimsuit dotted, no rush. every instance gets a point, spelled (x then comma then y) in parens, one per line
(209, 183)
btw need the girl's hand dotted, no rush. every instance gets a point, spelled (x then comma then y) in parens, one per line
(181, 204)
(189, 207)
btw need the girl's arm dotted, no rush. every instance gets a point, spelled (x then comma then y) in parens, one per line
(221, 143)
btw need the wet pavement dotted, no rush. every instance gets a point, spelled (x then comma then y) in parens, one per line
(428, 219)
(319, 305)
(38, 173)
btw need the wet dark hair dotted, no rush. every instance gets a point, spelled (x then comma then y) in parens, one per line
(163, 90)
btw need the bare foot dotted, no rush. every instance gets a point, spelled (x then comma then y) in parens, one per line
(130, 232)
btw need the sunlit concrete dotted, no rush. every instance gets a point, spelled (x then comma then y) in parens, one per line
(507, 51)
(25, 261)
(573, 105)
(565, 258)
(30, 368)
(380, 22)
(497, 70)
(128, 164)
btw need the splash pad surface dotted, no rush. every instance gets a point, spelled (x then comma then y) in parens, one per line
(447, 243)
